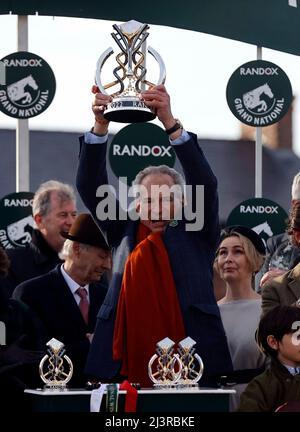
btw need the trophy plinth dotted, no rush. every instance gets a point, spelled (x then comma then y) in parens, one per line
(56, 368)
(128, 109)
(130, 74)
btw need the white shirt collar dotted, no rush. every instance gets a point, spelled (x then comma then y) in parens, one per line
(71, 283)
(292, 370)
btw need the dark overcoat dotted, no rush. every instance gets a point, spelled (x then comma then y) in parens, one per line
(191, 255)
(50, 298)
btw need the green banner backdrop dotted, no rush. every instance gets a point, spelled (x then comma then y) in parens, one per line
(270, 23)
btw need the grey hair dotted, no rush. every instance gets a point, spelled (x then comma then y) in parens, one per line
(160, 169)
(67, 249)
(296, 187)
(42, 197)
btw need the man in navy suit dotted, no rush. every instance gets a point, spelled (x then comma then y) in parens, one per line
(65, 313)
(168, 295)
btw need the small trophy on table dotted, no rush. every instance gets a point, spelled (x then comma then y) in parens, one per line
(168, 366)
(192, 364)
(56, 368)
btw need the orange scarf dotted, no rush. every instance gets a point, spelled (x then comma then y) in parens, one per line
(148, 308)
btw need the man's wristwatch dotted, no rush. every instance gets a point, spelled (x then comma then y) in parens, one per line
(175, 127)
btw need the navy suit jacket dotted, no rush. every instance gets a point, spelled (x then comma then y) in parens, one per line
(51, 300)
(191, 255)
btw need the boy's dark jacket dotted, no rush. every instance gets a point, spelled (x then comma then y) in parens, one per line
(271, 389)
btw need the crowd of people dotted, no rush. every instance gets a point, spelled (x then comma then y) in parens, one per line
(111, 289)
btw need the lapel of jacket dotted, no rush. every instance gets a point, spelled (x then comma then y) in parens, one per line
(294, 281)
(97, 293)
(66, 300)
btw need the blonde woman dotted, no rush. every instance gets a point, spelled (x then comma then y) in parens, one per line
(239, 256)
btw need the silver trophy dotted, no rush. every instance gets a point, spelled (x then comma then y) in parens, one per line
(192, 364)
(130, 74)
(56, 368)
(167, 366)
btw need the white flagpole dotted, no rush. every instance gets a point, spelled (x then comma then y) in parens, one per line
(258, 150)
(22, 131)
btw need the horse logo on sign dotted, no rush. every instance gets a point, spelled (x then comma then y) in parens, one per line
(252, 99)
(20, 90)
(19, 233)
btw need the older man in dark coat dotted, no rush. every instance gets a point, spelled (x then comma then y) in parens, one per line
(67, 299)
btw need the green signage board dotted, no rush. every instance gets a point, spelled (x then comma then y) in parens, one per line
(137, 146)
(269, 23)
(16, 221)
(265, 217)
(29, 85)
(259, 93)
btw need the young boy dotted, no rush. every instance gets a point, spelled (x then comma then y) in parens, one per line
(278, 336)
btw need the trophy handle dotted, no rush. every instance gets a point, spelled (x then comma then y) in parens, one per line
(150, 374)
(70, 374)
(102, 59)
(162, 67)
(200, 373)
(41, 368)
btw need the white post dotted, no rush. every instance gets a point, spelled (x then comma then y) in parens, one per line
(2, 333)
(2, 73)
(22, 131)
(258, 150)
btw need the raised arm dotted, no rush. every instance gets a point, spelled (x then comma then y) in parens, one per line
(195, 166)
(92, 180)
